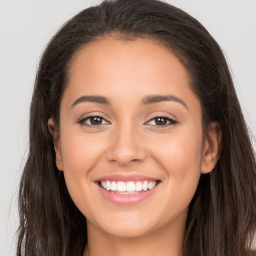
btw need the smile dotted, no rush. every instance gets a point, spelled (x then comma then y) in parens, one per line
(130, 187)
(127, 189)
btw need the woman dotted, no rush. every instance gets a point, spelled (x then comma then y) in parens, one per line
(137, 141)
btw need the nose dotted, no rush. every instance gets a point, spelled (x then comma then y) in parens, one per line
(126, 146)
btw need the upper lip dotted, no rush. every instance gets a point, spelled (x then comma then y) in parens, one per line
(126, 177)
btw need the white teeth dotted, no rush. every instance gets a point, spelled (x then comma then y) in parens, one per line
(108, 185)
(145, 186)
(129, 187)
(138, 186)
(151, 184)
(113, 186)
(121, 187)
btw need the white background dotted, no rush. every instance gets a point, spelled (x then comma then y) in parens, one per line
(25, 28)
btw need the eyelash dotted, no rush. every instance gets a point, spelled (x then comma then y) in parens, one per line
(84, 119)
(167, 119)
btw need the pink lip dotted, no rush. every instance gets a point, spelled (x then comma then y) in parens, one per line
(125, 178)
(126, 199)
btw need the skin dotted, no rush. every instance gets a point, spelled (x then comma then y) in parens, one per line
(128, 140)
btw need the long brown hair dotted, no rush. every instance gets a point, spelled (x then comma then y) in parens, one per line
(222, 214)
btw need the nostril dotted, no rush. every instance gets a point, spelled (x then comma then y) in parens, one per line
(126, 150)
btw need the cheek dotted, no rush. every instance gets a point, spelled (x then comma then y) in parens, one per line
(80, 152)
(181, 154)
(180, 157)
(179, 149)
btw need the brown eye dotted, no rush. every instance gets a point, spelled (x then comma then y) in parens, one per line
(96, 120)
(93, 121)
(161, 121)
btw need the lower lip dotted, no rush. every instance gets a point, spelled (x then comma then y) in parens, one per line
(126, 199)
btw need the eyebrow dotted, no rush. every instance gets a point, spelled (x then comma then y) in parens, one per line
(151, 99)
(93, 98)
(159, 98)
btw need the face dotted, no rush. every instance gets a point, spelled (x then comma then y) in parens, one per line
(130, 141)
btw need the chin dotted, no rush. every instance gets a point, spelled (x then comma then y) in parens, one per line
(127, 232)
(126, 227)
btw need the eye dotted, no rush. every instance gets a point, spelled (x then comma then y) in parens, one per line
(93, 121)
(161, 121)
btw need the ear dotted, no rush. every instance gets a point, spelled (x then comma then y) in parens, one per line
(56, 142)
(211, 147)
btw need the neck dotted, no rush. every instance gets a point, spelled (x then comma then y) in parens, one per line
(165, 242)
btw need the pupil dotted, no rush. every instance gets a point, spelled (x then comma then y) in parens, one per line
(96, 120)
(160, 121)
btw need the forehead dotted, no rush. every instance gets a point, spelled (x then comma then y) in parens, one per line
(111, 54)
(127, 68)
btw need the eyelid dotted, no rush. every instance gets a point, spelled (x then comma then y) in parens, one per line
(167, 116)
(93, 114)
(172, 120)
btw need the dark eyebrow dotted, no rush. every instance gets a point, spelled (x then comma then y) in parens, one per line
(159, 98)
(146, 101)
(94, 98)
